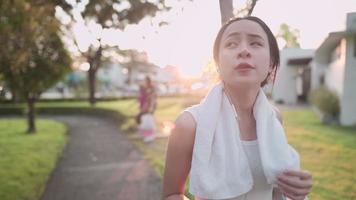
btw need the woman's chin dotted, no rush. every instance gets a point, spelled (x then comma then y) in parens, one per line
(244, 82)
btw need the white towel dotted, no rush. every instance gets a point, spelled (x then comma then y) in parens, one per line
(219, 167)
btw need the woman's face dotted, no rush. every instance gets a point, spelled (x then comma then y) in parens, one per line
(244, 55)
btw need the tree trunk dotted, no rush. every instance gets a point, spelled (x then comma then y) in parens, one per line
(226, 10)
(95, 63)
(14, 96)
(252, 6)
(31, 114)
(92, 86)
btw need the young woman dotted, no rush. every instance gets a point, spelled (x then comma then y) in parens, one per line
(233, 144)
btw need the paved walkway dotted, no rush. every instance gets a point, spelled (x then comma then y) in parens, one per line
(99, 163)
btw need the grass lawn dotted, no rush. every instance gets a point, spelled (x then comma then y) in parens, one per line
(27, 160)
(329, 152)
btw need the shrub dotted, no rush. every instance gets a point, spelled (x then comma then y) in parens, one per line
(326, 101)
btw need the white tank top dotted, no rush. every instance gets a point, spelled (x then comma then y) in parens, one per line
(261, 189)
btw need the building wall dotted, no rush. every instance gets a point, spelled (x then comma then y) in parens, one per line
(317, 74)
(340, 71)
(285, 87)
(334, 74)
(112, 73)
(348, 99)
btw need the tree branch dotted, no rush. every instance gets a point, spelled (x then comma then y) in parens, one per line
(252, 6)
(226, 10)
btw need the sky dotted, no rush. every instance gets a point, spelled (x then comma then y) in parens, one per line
(188, 39)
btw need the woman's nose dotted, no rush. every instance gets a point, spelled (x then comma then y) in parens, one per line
(244, 53)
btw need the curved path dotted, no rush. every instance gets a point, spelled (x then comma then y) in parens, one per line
(100, 163)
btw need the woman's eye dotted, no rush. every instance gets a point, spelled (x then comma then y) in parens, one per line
(231, 44)
(256, 44)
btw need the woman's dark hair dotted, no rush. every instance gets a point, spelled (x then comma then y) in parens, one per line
(273, 46)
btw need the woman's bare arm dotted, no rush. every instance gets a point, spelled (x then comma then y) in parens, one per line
(179, 157)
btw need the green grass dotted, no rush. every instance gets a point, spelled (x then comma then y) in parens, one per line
(27, 160)
(329, 152)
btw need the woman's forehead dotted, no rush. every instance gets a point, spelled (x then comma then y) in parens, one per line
(245, 27)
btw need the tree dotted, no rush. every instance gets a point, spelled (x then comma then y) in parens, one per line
(209, 74)
(114, 14)
(32, 55)
(289, 35)
(2, 88)
(227, 11)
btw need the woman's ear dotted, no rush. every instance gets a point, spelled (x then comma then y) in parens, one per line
(269, 78)
(271, 74)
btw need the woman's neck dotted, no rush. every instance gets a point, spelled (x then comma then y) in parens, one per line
(243, 98)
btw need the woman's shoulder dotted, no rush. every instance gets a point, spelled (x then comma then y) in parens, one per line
(186, 122)
(193, 111)
(183, 133)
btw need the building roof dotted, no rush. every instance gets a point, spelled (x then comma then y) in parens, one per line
(330, 43)
(299, 61)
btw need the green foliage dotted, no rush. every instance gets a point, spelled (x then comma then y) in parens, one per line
(32, 55)
(27, 160)
(118, 13)
(289, 35)
(326, 101)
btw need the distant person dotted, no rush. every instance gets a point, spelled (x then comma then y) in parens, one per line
(232, 145)
(142, 97)
(148, 101)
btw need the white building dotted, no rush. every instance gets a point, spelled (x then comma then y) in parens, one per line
(115, 77)
(334, 65)
(292, 82)
(112, 74)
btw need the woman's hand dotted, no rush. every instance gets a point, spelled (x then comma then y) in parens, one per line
(295, 184)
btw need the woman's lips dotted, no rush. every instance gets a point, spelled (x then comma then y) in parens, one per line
(244, 67)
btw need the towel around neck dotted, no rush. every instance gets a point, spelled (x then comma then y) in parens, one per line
(219, 168)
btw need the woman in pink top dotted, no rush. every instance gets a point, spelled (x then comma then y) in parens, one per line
(147, 101)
